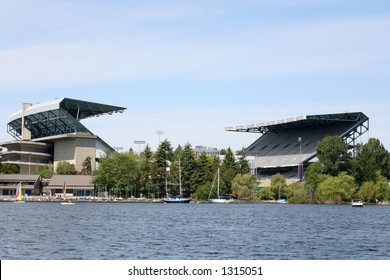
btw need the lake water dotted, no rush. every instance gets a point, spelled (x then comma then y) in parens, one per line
(88, 231)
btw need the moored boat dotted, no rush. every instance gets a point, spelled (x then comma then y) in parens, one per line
(18, 194)
(357, 203)
(66, 200)
(220, 198)
(179, 198)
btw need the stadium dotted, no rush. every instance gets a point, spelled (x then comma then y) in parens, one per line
(288, 146)
(48, 133)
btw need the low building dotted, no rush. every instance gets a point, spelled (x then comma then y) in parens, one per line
(76, 186)
(31, 184)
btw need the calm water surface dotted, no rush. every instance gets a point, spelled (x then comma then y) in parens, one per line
(87, 231)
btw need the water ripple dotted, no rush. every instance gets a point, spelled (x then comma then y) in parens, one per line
(193, 232)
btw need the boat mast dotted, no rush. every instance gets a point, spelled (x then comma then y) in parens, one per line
(218, 180)
(181, 194)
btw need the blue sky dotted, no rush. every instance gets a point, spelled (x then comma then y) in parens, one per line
(191, 68)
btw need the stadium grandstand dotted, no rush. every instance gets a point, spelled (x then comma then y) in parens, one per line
(51, 132)
(288, 146)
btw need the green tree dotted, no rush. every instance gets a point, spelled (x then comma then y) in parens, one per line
(369, 159)
(384, 189)
(369, 191)
(188, 167)
(163, 159)
(210, 190)
(244, 166)
(127, 174)
(46, 172)
(332, 152)
(229, 169)
(279, 186)
(313, 177)
(376, 190)
(66, 168)
(243, 186)
(335, 190)
(299, 194)
(10, 169)
(119, 174)
(203, 172)
(146, 179)
(104, 178)
(266, 194)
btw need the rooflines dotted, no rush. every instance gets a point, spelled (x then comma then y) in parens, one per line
(294, 141)
(303, 121)
(77, 108)
(56, 117)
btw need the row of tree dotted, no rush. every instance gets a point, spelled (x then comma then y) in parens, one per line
(153, 174)
(339, 175)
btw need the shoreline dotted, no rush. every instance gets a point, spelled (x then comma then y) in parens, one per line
(159, 201)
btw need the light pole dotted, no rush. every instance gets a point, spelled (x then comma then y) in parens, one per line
(159, 133)
(300, 145)
(300, 166)
(139, 143)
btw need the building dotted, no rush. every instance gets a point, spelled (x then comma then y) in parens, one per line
(287, 146)
(51, 132)
(76, 185)
(31, 184)
(206, 150)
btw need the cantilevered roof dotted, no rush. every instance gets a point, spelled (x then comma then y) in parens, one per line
(293, 141)
(56, 117)
(301, 122)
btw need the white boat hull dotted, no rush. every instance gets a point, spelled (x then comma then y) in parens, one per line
(357, 203)
(221, 201)
(19, 202)
(177, 200)
(67, 203)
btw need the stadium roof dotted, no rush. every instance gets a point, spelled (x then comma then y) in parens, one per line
(293, 141)
(300, 122)
(59, 116)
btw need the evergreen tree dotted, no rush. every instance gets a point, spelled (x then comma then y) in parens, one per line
(202, 173)
(244, 166)
(229, 169)
(146, 183)
(162, 160)
(188, 167)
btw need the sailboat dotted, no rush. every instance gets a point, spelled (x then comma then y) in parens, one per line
(18, 194)
(178, 198)
(66, 201)
(220, 199)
